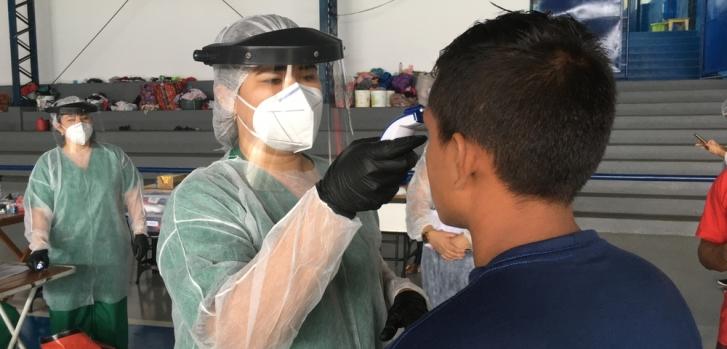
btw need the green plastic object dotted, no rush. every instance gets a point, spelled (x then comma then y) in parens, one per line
(658, 27)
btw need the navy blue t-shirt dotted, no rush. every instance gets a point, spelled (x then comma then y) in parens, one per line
(573, 291)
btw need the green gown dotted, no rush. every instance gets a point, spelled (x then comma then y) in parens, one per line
(88, 227)
(234, 193)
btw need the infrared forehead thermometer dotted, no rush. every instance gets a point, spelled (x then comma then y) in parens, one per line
(406, 124)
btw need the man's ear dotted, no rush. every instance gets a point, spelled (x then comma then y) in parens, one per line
(464, 154)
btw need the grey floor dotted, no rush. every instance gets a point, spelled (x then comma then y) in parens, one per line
(149, 303)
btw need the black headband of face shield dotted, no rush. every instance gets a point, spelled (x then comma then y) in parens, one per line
(79, 108)
(279, 47)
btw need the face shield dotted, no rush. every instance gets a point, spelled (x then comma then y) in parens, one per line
(75, 117)
(288, 70)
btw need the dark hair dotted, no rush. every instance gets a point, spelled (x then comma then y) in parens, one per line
(537, 92)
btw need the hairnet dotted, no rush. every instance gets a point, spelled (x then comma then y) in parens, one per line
(228, 78)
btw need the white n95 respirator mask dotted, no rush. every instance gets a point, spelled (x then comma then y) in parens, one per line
(289, 120)
(79, 133)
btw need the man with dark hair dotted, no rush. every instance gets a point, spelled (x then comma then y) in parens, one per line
(519, 117)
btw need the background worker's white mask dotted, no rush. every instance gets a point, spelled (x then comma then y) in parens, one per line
(79, 133)
(288, 120)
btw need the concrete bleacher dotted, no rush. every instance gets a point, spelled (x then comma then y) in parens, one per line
(653, 135)
(663, 55)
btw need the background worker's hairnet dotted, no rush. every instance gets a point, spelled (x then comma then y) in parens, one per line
(228, 78)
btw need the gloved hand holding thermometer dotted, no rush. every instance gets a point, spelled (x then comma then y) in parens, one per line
(367, 174)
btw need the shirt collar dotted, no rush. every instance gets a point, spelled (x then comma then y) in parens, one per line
(538, 248)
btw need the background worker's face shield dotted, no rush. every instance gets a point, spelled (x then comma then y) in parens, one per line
(68, 120)
(279, 59)
(67, 112)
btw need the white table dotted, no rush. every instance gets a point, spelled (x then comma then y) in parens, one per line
(392, 220)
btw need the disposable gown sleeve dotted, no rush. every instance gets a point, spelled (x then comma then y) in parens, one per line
(231, 295)
(133, 185)
(39, 202)
(418, 201)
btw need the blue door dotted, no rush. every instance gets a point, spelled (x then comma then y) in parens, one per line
(715, 38)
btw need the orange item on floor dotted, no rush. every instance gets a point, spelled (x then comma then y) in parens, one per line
(75, 339)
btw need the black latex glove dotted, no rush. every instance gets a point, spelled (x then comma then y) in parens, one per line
(38, 260)
(367, 174)
(140, 246)
(408, 307)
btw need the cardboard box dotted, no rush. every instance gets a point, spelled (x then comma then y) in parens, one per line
(169, 181)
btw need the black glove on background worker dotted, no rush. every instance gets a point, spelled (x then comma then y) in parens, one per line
(140, 246)
(408, 307)
(38, 260)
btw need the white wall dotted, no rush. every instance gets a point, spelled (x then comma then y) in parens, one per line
(153, 37)
(5, 78)
(42, 37)
(408, 31)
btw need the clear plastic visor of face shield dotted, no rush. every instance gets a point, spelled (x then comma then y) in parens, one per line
(284, 57)
(77, 112)
(68, 119)
(334, 131)
(73, 118)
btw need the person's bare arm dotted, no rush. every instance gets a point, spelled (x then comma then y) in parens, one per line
(713, 147)
(713, 256)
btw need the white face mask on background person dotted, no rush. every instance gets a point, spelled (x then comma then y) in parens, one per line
(289, 120)
(79, 133)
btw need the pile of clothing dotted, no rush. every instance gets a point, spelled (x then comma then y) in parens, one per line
(405, 85)
(158, 93)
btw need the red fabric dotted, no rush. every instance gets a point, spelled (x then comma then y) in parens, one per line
(713, 225)
(164, 93)
(28, 88)
(161, 96)
(713, 228)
